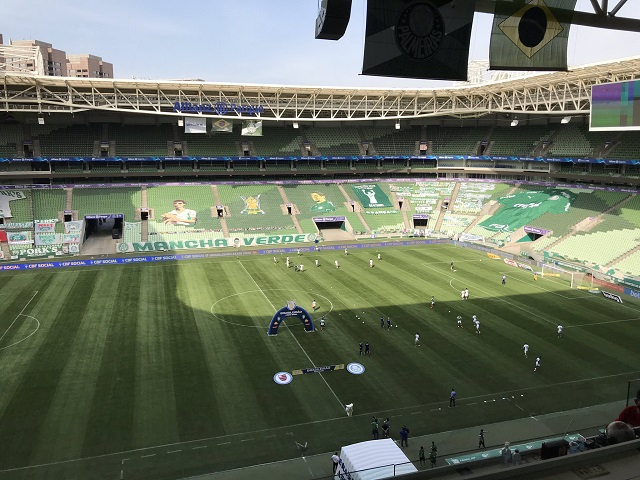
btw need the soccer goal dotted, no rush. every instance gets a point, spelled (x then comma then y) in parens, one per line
(574, 279)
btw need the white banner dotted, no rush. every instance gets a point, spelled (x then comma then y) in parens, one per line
(20, 238)
(73, 227)
(49, 227)
(48, 239)
(195, 125)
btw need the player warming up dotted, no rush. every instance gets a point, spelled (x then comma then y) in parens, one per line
(371, 263)
(559, 331)
(538, 360)
(459, 318)
(433, 301)
(337, 264)
(525, 347)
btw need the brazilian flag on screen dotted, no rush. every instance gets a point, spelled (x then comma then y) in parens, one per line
(530, 34)
(522, 208)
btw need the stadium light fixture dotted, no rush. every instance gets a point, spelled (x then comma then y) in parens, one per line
(180, 122)
(565, 119)
(41, 120)
(514, 122)
(295, 125)
(397, 125)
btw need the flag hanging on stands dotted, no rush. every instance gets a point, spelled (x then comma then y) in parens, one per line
(418, 38)
(252, 128)
(530, 34)
(221, 125)
(195, 125)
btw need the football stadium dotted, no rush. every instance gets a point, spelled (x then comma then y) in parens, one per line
(205, 280)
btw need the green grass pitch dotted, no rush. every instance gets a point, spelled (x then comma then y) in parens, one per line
(166, 369)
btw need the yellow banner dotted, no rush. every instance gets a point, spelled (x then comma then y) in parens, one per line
(493, 255)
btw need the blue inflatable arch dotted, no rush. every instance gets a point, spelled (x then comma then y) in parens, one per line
(290, 311)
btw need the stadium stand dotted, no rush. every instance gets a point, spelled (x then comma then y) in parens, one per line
(389, 141)
(517, 141)
(277, 141)
(264, 200)
(92, 201)
(452, 141)
(335, 141)
(71, 141)
(141, 140)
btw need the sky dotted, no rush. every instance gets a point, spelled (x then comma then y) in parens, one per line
(249, 41)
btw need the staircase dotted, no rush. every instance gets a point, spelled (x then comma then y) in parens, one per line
(286, 201)
(346, 196)
(622, 257)
(144, 228)
(223, 221)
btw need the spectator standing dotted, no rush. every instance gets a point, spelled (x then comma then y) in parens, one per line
(374, 428)
(386, 429)
(505, 453)
(421, 456)
(404, 436)
(481, 439)
(433, 454)
(452, 398)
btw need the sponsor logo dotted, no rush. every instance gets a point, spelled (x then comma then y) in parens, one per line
(123, 247)
(493, 255)
(218, 108)
(355, 368)
(283, 378)
(611, 296)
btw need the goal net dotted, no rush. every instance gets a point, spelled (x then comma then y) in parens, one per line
(573, 279)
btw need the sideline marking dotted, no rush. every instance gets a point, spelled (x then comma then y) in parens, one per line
(21, 312)
(270, 429)
(294, 337)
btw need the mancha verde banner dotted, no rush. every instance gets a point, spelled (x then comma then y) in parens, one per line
(216, 243)
(371, 196)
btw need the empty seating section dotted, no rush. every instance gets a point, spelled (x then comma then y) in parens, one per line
(599, 247)
(628, 147)
(71, 141)
(541, 244)
(106, 167)
(365, 164)
(576, 140)
(335, 141)
(472, 197)
(141, 140)
(388, 141)
(279, 166)
(626, 216)
(255, 210)
(304, 165)
(10, 140)
(337, 165)
(212, 165)
(630, 264)
(517, 141)
(452, 141)
(324, 200)
(278, 142)
(587, 204)
(142, 166)
(132, 232)
(49, 204)
(214, 145)
(181, 166)
(454, 223)
(92, 201)
(67, 167)
(21, 209)
(245, 165)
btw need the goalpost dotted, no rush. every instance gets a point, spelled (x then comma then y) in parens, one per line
(574, 279)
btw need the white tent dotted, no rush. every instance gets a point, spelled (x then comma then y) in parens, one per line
(372, 460)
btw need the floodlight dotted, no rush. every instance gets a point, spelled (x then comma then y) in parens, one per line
(565, 119)
(397, 125)
(295, 125)
(180, 122)
(40, 120)
(514, 122)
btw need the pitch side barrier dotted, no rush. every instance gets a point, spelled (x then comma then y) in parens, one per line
(200, 256)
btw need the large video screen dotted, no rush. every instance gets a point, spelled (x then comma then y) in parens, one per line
(615, 106)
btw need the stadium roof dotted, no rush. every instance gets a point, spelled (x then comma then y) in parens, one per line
(562, 93)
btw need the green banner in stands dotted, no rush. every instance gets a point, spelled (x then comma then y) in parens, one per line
(371, 196)
(522, 208)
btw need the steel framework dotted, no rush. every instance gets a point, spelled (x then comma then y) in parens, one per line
(561, 93)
